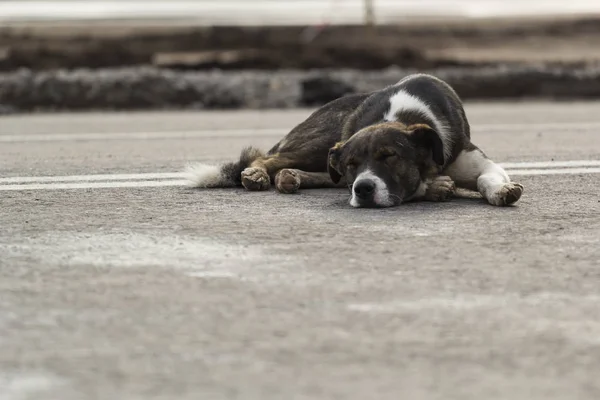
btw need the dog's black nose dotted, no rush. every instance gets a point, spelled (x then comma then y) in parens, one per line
(364, 188)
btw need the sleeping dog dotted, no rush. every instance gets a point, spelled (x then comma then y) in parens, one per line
(410, 141)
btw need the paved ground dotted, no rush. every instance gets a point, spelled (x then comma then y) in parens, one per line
(165, 292)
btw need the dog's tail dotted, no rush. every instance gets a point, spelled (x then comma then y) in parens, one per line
(223, 175)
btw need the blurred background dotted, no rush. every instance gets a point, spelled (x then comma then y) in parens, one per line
(153, 54)
(285, 12)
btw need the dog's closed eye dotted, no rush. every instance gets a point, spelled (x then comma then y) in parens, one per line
(385, 155)
(352, 164)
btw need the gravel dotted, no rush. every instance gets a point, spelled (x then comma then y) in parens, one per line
(152, 88)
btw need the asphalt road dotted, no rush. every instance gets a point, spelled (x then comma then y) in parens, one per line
(129, 286)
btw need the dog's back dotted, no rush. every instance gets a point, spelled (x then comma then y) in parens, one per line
(321, 130)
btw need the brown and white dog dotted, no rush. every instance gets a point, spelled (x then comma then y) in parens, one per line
(410, 141)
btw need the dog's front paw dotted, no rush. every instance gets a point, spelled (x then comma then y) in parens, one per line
(255, 179)
(506, 194)
(440, 188)
(287, 181)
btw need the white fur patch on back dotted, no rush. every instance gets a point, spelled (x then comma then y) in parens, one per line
(403, 101)
(204, 176)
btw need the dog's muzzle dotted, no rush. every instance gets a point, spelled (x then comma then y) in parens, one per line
(369, 190)
(365, 189)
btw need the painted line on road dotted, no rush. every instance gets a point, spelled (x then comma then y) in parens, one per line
(93, 136)
(92, 185)
(238, 133)
(548, 126)
(92, 178)
(166, 179)
(552, 164)
(545, 165)
(558, 171)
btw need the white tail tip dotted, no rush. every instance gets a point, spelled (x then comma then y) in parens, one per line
(204, 176)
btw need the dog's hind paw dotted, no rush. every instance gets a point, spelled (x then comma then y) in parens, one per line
(507, 194)
(255, 179)
(287, 181)
(440, 188)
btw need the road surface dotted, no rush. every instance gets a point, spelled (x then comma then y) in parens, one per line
(116, 282)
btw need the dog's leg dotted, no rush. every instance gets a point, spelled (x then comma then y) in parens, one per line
(473, 170)
(439, 188)
(256, 176)
(259, 174)
(291, 180)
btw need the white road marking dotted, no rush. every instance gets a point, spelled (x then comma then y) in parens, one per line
(92, 185)
(518, 166)
(551, 164)
(258, 132)
(212, 274)
(557, 171)
(468, 302)
(92, 136)
(90, 178)
(545, 126)
(165, 179)
(27, 385)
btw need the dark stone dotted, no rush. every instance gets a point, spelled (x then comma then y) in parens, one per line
(153, 88)
(6, 110)
(317, 90)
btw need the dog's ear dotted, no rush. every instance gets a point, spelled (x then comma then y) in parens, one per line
(426, 136)
(333, 163)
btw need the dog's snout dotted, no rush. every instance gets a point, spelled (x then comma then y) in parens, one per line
(364, 188)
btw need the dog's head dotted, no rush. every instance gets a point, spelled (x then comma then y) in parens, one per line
(384, 163)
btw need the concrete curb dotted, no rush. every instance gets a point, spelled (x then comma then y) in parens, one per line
(148, 88)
